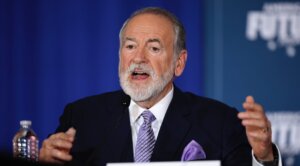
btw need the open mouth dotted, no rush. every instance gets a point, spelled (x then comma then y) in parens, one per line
(139, 75)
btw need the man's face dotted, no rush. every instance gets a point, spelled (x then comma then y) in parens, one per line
(146, 57)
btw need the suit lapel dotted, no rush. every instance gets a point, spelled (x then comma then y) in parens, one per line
(174, 128)
(118, 146)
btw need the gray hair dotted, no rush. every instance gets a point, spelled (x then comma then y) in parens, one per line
(179, 42)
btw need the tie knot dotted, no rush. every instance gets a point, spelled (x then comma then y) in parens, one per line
(148, 116)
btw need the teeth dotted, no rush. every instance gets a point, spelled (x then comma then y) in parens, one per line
(139, 73)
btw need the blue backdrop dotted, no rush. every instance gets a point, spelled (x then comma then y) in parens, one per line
(252, 48)
(56, 51)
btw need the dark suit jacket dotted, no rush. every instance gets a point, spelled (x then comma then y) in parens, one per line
(103, 132)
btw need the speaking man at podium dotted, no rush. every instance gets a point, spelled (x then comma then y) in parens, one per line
(151, 119)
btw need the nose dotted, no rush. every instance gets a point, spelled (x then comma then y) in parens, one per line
(140, 56)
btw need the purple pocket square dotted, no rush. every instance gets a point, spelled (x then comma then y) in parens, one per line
(193, 151)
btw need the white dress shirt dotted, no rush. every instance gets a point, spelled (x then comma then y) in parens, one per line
(158, 110)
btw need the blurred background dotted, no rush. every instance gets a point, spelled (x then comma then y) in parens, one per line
(53, 52)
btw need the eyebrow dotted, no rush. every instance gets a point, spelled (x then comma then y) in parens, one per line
(148, 41)
(130, 39)
(154, 40)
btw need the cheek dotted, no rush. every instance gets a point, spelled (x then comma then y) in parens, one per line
(124, 63)
(125, 56)
(121, 63)
(162, 66)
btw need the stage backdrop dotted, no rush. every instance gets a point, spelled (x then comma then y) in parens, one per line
(53, 52)
(252, 48)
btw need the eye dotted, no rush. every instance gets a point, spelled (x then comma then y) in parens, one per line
(129, 46)
(155, 49)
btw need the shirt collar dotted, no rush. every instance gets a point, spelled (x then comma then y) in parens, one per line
(158, 110)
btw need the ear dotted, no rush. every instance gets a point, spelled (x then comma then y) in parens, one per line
(180, 63)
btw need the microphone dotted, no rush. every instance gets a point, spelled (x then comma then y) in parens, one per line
(125, 105)
(126, 101)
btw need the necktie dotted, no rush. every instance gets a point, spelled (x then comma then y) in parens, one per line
(145, 139)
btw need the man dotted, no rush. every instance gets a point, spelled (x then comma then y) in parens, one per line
(106, 128)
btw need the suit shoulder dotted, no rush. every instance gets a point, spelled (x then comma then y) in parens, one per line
(204, 99)
(91, 108)
(100, 98)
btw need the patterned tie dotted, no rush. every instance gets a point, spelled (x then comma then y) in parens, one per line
(145, 139)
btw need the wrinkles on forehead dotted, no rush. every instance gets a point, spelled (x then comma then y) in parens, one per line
(147, 24)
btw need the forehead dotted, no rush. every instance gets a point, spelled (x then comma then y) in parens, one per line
(149, 24)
